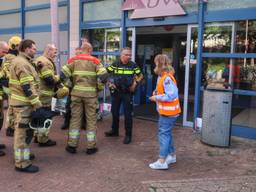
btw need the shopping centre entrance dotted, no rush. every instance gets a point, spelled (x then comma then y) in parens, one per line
(150, 41)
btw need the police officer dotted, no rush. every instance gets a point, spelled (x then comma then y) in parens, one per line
(24, 85)
(125, 77)
(48, 83)
(12, 53)
(85, 69)
(3, 51)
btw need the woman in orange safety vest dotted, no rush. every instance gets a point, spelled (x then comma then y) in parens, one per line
(168, 106)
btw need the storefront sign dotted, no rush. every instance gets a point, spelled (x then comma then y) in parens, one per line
(153, 8)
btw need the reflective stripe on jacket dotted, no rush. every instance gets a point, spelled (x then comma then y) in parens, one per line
(46, 69)
(84, 70)
(167, 108)
(22, 72)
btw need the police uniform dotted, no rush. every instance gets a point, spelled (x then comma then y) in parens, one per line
(48, 80)
(23, 76)
(122, 77)
(84, 70)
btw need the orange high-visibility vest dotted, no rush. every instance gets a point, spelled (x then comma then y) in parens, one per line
(167, 108)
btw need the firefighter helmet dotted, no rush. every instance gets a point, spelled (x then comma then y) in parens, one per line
(14, 41)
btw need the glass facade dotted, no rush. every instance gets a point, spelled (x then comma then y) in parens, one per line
(227, 37)
(214, 5)
(102, 10)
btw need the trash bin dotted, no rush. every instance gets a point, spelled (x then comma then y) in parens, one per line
(216, 118)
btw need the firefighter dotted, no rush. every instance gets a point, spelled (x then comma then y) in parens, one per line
(3, 51)
(125, 77)
(68, 83)
(24, 85)
(48, 83)
(12, 53)
(85, 69)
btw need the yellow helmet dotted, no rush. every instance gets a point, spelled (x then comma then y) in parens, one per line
(14, 41)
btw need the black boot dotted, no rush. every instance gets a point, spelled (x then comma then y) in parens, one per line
(9, 132)
(29, 169)
(111, 133)
(2, 146)
(49, 143)
(71, 149)
(35, 139)
(127, 139)
(91, 151)
(2, 153)
(32, 156)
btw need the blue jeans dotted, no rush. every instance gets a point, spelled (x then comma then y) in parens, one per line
(165, 135)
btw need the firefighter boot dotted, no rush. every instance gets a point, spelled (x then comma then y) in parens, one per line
(111, 133)
(29, 169)
(2, 146)
(70, 149)
(9, 132)
(49, 143)
(127, 139)
(91, 151)
(2, 153)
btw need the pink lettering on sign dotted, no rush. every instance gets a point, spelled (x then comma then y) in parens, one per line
(158, 8)
(132, 4)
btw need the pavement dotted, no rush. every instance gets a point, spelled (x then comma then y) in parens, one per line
(124, 168)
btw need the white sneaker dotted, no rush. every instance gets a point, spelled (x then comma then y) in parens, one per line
(170, 159)
(158, 165)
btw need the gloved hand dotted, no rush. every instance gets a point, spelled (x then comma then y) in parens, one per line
(56, 78)
(62, 92)
(100, 86)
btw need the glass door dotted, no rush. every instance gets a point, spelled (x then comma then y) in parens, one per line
(218, 38)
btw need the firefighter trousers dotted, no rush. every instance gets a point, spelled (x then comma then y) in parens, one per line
(1, 113)
(10, 117)
(83, 106)
(22, 135)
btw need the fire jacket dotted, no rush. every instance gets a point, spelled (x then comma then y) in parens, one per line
(24, 82)
(84, 70)
(47, 73)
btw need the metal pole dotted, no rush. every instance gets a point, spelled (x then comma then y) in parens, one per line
(23, 19)
(55, 30)
(199, 59)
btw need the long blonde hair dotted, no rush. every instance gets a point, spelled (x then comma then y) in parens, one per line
(163, 64)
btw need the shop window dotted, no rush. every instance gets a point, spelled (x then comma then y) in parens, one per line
(102, 10)
(217, 38)
(245, 36)
(103, 40)
(243, 110)
(223, 72)
(214, 5)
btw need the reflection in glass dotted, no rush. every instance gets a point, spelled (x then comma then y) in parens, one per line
(102, 10)
(243, 110)
(96, 37)
(217, 39)
(222, 72)
(113, 40)
(246, 37)
(103, 40)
